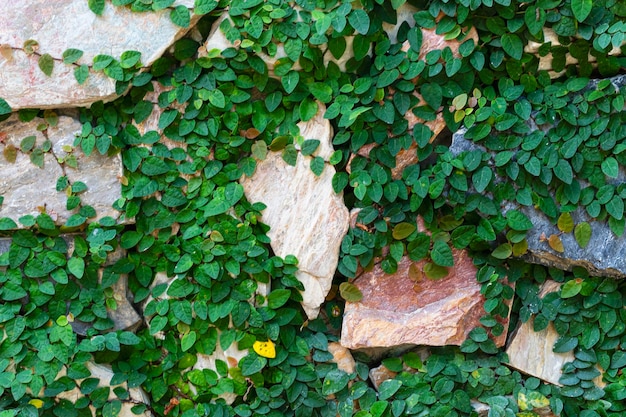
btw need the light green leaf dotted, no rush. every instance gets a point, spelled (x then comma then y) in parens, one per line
(350, 292)
(181, 16)
(581, 9)
(359, 20)
(46, 64)
(72, 55)
(96, 6)
(582, 233)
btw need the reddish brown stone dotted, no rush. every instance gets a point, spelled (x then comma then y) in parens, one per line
(397, 309)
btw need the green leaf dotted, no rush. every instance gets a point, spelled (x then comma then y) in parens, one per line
(7, 224)
(129, 59)
(181, 16)
(204, 6)
(403, 230)
(278, 298)
(112, 408)
(581, 9)
(565, 223)
(76, 266)
(217, 98)
(335, 381)
(512, 45)
(290, 81)
(610, 167)
(188, 341)
(388, 388)
(4, 107)
(571, 288)
(441, 254)
(482, 178)
(72, 55)
(359, 20)
(350, 292)
(46, 64)
(432, 94)
(563, 171)
(317, 165)
(309, 146)
(615, 207)
(96, 6)
(582, 233)
(252, 364)
(517, 220)
(81, 73)
(503, 251)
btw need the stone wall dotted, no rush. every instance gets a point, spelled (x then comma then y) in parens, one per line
(43, 171)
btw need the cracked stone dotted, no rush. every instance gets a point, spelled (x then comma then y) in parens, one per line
(58, 25)
(306, 218)
(28, 189)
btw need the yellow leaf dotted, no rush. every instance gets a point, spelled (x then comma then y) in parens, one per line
(265, 349)
(555, 243)
(36, 402)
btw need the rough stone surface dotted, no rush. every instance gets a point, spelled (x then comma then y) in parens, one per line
(306, 218)
(397, 310)
(104, 373)
(342, 357)
(598, 257)
(58, 25)
(531, 352)
(380, 374)
(28, 189)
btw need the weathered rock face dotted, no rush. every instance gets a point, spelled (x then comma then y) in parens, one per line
(397, 310)
(306, 218)
(18, 177)
(598, 257)
(58, 25)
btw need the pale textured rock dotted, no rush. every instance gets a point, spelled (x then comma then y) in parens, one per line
(380, 374)
(104, 373)
(342, 357)
(306, 218)
(58, 25)
(531, 352)
(397, 310)
(28, 189)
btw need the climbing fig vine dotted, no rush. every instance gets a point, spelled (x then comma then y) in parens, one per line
(519, 79)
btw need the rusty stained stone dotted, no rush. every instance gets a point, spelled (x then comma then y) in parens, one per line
(396, 310)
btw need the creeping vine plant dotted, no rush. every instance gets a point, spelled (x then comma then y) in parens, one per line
(550, 144)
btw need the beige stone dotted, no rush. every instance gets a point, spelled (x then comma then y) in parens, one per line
(29, 189)
(57, 25)
(342, 357)
(380, 374)
(306, 218)
(531, 352)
